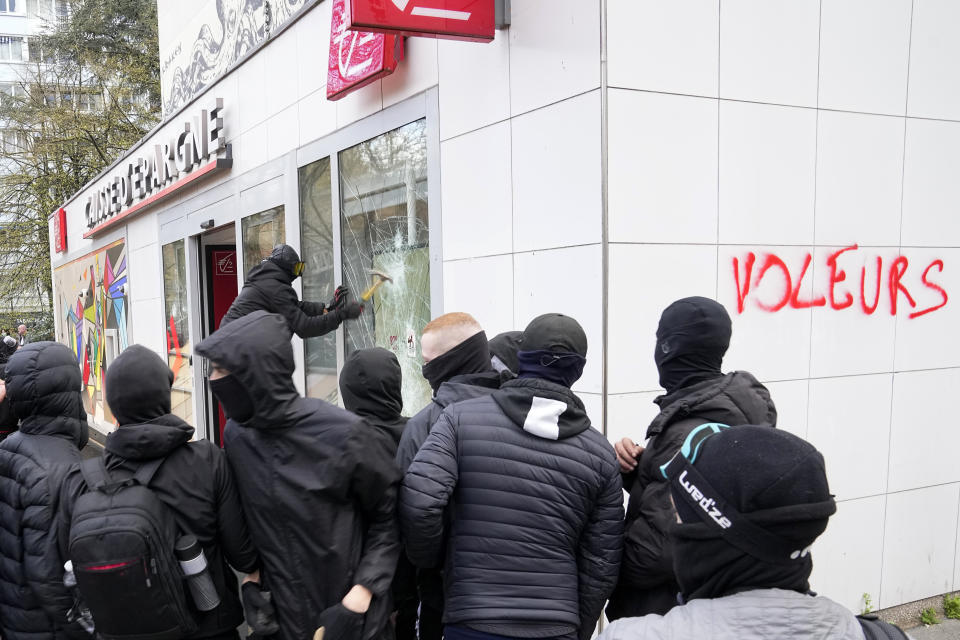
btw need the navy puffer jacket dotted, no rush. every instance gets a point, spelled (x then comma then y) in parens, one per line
(43, 384)
(527, 498)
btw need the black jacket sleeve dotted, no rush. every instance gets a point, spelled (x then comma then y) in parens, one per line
(373, 485)
(414, 435)
(232, 532)
(42, 558)
(598, 555)
(300, 322)
(425, 493)
(312, 308)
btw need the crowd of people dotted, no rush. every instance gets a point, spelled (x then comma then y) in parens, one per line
(495, 512)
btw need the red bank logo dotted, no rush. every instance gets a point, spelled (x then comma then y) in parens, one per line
(432, 12)
(452, 19)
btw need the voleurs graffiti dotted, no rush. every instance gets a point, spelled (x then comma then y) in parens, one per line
(92, 309)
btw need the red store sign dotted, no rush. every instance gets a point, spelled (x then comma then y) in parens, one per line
(357, 58)
(472, 20)
(60, 230)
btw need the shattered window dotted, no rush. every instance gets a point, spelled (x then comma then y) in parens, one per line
(261, 233)
(316, 242)
(384, 230)
(177, 329)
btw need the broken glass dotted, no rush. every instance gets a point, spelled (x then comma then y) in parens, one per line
(177, 329)
(261, 233)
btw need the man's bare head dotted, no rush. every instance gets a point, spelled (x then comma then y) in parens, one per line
(22, 329)
(446, 332)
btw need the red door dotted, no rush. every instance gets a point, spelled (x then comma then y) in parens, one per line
(222, 291)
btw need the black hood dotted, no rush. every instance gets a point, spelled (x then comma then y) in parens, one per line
(371, 384)
(542, 408)
(692, 338)
(466, 386)
(503, 350)
(138, 386)
(285, 257)
(268, 270)
(256, 349)
(153, 439)
(736, 398)
(44, 386)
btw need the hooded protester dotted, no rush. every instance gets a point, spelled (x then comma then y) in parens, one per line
(458, 367)
(371, 387)
(193, 481)
(43, 384)
(543, 487)
(8, 421)
(692, 338)
(268, 287)
(320, 501)
(503, 352)
(744, 566)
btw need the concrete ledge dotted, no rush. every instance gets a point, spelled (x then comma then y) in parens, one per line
(907, 616)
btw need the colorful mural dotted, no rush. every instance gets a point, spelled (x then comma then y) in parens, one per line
(92, 308)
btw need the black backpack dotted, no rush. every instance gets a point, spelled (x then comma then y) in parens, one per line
(876, 629)
(122, 539)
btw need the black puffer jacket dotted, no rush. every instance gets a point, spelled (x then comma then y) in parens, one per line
(195, 482)
(319, 500)
(457, 389)
(647, 583)
(371, 386)
(268, 288)
(43, 383)
(8, 421)
(534, 503)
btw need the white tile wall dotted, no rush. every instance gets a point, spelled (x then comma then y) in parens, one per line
(847, 557)
(593, 404)
(850, 425)
(859, 179)
(791, 398)
(556, 175)
(143, 265)
(638, 294)
(554, 51)
(477, 190)
(141, 231)
(919, 544)
(359, 104)
(931, 191)
(771, 345)
(629, 414)
(283, 132)
(281, 73)
(416, 73)
(924, 437)
(146, 324)
(313, 49)
(249, 148)
(664, 46)
(850, 341)
(482, 287)
(767, 173)
(662, 179)
(768, 51)
(474, 84)
(317, 116)
(930, 340)
(252, 98)
(864, 47)
(563, 281)
(934, 90)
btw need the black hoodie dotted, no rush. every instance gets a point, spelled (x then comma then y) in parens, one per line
(526, 499)
(43, 384)
(319, 500)
(194, 480)
(268, 288)
(371, 386)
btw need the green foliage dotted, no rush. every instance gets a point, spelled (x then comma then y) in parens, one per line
(951, 606)
(90, 94)
(929, 616)
(867, 604)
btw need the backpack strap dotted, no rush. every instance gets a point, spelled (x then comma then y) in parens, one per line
(95, 473)
(876, 629)
(145, 473)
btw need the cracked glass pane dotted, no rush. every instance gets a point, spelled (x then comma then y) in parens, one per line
(384, 229)
(316, 241)
(261, 233)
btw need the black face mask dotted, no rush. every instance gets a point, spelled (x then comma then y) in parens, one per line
(692, 338)
(470, 356)
(561, 368)
(235, 399)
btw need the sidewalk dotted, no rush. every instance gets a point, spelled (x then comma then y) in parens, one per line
(946, 630)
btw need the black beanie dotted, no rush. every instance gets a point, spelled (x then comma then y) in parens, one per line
(285, 257)
(692, 338)
(138, 384)
(557, 333)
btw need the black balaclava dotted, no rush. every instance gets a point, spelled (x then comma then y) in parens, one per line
(371, 384)
(234, 398)
(773, 480)
(470, 356)
(693, 335)
(138, 386)
(554, 349)
(503, 350)
(285, 257)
